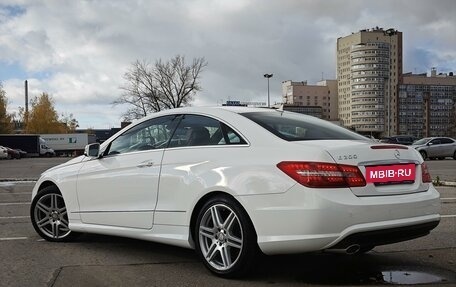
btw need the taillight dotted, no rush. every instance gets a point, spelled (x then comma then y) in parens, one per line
(323, 174)
(425, 175)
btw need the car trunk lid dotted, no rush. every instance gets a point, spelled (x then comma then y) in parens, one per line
(388, 169)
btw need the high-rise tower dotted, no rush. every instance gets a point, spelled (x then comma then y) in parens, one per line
(369, 70)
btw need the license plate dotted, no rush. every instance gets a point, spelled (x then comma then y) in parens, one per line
(390, 174)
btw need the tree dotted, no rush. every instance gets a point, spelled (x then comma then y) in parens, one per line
(71, 123)
(6, 123)
(165, 85)
(43, 118)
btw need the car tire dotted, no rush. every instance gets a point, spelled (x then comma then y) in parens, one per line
(225, 238)
(454, 155)
(49, 216)
(423, 154)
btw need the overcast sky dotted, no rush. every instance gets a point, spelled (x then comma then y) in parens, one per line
(77, 51)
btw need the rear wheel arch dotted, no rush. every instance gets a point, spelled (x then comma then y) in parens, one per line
(224, 236)
(202, 201)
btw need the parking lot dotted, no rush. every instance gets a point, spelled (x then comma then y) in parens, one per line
(95, 260)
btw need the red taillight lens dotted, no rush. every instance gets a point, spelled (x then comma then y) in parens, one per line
(323, 174)
(425, 175)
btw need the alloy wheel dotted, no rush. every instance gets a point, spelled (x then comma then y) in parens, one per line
(50, 216)
(220, 237)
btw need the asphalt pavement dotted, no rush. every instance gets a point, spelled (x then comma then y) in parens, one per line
(96, 260)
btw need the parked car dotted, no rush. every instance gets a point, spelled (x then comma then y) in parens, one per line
(237, 181)
(22, 153)
(12, 153)
(436, 147)
(402, 139)
(3, 152)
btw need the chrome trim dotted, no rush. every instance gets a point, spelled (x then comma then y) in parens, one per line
(388, 162)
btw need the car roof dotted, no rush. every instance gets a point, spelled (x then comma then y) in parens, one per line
(215, 110)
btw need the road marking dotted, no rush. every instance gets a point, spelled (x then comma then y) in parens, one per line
(13, 238)
(448, 216)
(13, 203)
(13, 217)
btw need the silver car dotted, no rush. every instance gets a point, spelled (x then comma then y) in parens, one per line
(436, 147)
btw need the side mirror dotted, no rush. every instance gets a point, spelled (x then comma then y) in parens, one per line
(92, 150)
(429, 144)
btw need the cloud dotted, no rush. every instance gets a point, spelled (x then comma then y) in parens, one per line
(78, 50)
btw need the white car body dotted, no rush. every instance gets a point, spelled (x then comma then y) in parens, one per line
(3, 152)
(159, 204)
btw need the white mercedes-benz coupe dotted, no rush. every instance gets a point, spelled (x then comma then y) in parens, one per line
(233, 182)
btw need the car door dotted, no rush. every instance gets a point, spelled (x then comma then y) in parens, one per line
(120, 188)
(447, 147)
(434, 148)
(197, 158)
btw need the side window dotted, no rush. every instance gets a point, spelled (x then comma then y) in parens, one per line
(435, 141)
(196, 130)
(148, 135)
(446, 141)
(230, 136)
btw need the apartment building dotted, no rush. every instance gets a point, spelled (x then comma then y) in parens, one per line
(318, 100)
(427, 104)
(369, 70)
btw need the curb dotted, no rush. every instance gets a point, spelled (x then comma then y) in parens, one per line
(18, 179)
(445, 183)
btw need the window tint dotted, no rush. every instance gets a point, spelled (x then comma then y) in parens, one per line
(435, 141)
(297, 127)
(446, 141)
(196, 130)
(421, 141)
(151, 134)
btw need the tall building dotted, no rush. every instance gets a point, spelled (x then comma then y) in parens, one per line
(369, 69)
(318, 100)
(427, 105)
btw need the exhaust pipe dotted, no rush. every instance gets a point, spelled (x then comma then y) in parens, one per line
(352, 249)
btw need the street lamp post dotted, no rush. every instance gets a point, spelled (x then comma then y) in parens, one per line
(267, 76)
(390, 33)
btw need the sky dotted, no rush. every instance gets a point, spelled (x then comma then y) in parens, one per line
(78, 51)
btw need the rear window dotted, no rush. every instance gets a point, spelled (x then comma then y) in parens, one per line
(297, 127)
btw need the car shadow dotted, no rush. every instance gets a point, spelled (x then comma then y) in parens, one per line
(310, 268)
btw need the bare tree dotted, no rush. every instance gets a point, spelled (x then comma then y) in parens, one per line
(165, 85)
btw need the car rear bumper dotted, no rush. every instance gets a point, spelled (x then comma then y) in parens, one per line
(386, 236)
(305, 220)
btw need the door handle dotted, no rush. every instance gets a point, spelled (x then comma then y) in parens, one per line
(146, 164)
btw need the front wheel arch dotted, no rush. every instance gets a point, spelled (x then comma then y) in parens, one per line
(423, 154)
(49, 215)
